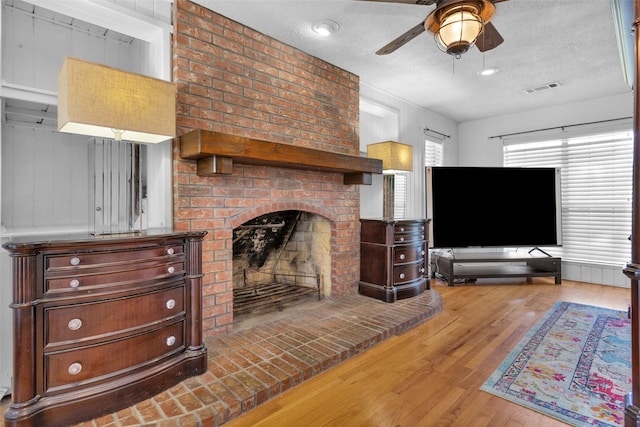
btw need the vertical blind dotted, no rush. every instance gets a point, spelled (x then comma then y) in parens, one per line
(596, 174)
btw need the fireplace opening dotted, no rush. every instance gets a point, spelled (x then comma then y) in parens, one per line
(280, 259)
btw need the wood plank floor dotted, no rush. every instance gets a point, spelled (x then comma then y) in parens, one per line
(431, 375)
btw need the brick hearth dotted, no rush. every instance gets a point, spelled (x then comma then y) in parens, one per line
(250, 366)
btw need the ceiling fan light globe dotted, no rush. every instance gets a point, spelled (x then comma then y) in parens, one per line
(458, 30)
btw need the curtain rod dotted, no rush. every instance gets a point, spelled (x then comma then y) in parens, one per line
(425, 130)
(559, 127)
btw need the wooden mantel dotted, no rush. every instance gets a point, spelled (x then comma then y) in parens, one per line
(216, 152)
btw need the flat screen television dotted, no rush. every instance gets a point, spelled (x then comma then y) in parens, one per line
(494, 207)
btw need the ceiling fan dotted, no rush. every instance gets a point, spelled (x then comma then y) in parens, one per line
(456, 24)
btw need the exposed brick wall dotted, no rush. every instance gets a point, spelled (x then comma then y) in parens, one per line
(233, 79)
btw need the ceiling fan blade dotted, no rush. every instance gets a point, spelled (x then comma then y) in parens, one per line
(402, 40)
(489, 39)
(423, 2)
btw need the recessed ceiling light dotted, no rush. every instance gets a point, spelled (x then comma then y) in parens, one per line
(488, 71)
(325, 27)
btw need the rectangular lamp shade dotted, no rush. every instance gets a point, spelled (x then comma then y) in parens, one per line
(101, 101)
(396, 157)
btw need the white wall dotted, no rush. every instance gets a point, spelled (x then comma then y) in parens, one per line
(378, 123)
(478, 148)
(411, 121)
(45, 172)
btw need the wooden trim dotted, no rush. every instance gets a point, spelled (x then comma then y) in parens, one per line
(202, 144)
(632, 409)
(358, 179)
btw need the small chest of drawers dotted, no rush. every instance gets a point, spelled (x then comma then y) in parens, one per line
(101, 323)
(393, 258)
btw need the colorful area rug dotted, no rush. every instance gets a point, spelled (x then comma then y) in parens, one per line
(574, 365)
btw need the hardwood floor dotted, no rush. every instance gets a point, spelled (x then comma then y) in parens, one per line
(431, 375)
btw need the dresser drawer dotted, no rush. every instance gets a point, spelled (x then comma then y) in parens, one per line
(132, 275)
(99, 362)
(408, 253)
(407, 273)
(409, 228)
(72, 323)
(415, 234)
(81, 260)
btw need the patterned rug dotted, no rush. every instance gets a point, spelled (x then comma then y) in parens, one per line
(574, 365)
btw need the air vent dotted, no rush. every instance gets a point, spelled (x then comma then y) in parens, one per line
(541, 88)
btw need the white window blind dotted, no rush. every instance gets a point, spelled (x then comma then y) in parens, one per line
(432, 153)
(596, 173)
(400, 196)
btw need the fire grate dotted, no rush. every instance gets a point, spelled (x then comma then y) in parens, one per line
(271, 296)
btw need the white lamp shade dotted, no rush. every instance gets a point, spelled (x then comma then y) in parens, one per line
(101, 101)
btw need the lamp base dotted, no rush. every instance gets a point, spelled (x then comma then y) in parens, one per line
(118, 190)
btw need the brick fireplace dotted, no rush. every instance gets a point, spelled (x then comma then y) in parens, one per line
(235, 80)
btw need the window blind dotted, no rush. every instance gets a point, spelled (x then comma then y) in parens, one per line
(596, 174)
(432, 153)
(400, 196)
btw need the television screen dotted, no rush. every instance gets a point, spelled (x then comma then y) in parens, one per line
(494, 206)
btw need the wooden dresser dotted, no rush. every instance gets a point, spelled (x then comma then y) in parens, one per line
(101, 323)
(393, 258)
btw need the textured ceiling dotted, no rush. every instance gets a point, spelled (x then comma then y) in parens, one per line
(571, 42)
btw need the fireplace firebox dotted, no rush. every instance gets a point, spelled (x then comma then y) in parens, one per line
(278, 259)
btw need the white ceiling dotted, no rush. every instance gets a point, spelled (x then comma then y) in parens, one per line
(571, 42)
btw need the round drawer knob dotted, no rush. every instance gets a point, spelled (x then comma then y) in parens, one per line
(171, 341)
(422, 253)
(422, 270)
(74, 324)
(402, 256)
(171, 269)
(402, 239)
(401, 228)
(74, 283)
(74, 261)
(171, 251)
(74, 368)
(402, 276)
(171, 304)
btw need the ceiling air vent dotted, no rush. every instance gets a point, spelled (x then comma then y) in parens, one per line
(541, 88)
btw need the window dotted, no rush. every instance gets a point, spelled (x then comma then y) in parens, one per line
(432, 153)
(596, 173)
(400, 196)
